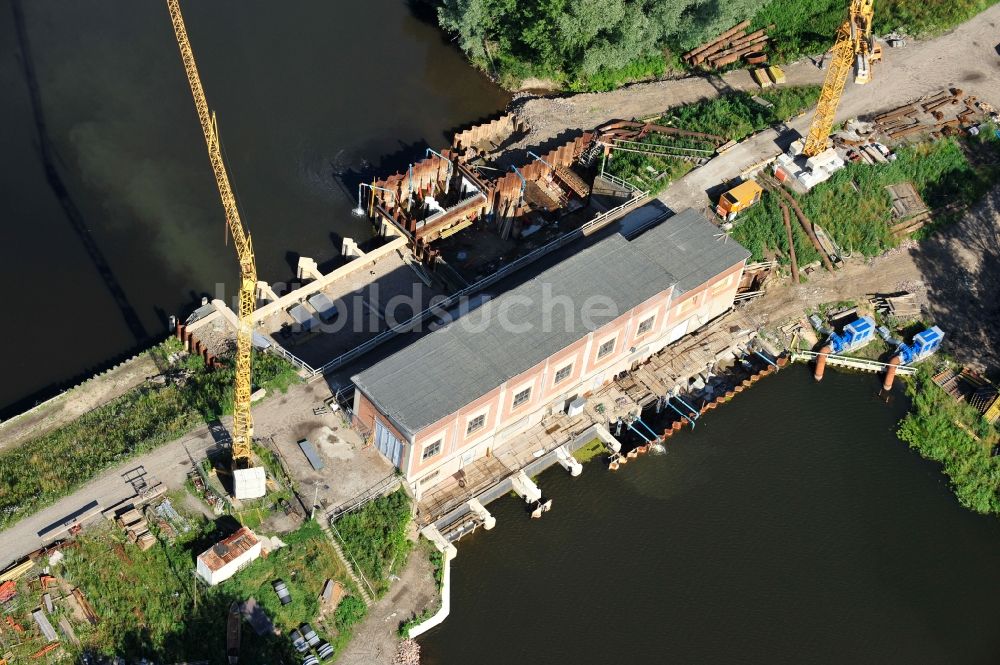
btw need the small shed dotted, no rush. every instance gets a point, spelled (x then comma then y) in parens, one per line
(228, 556)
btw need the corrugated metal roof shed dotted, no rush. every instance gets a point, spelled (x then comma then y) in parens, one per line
(442, 372)
(228, 549)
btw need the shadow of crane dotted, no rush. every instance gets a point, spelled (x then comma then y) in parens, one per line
(58, 187)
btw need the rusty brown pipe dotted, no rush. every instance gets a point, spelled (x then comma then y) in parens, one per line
(890, 373)
(821, 362)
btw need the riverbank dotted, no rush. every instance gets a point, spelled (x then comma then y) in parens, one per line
(584, 50)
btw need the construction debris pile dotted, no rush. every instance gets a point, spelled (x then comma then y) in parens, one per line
(729, 47)
(407, 654)
(964, 385)
(136, 528)
(901, 306)
(908, 209)
(946, 113)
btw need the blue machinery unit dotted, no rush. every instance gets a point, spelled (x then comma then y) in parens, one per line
(924, 344)
(857, 333)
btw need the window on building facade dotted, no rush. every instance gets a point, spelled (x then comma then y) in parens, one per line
(522, 397)
(431, 450)
(475, 424)
(606, 348)
(564, 373)
(645, 326)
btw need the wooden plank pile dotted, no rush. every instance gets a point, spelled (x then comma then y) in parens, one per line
(136, 528)
(901, 306)
(729, 47)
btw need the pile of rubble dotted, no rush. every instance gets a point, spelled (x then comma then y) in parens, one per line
(407, 654)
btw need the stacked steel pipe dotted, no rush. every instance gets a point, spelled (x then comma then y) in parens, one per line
(728, 47)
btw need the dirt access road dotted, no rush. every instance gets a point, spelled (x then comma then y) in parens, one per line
(284, 418)
(965, 57)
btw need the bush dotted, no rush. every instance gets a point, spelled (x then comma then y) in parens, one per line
(350, 611)
(375, 537)
(599, 44)
(941, 429)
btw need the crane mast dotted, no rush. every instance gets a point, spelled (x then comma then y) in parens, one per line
(854, 44)
(242, 449)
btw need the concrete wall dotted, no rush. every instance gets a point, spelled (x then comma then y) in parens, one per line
(303, 292)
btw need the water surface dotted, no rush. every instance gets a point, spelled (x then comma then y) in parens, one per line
(791, 526)
(311, 96)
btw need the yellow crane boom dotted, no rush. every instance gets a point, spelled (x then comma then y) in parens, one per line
(242, 419)
(854, 43)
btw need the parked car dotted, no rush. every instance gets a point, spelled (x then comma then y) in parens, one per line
(325, 651)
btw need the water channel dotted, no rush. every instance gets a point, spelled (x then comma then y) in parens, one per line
(791, 526)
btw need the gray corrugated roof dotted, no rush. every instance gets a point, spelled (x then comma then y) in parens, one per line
(443, 371)
(689, 246)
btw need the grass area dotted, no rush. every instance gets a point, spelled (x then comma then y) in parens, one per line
(945, 431)
(734, 116)
(42, 470)
(854, 207)
(589, 451)
(375, 539)
(151, 605)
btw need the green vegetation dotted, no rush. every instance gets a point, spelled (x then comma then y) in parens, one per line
(53, 465)
(946, 431)
(856, 210)
(733, 116)
(589, 451)
(151, 605)
(599, 45)
(375, 539)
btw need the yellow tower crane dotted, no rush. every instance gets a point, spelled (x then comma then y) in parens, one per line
(248, 481)
(854, 47)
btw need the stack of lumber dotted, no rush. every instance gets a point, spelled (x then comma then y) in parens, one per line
(901, 306)
(136, 528)
(728, 47)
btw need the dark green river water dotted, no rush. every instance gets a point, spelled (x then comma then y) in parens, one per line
(791, 526)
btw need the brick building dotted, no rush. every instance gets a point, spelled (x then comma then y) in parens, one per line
(453, 395)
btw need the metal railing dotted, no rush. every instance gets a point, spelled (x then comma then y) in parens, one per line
(379, 489)
(439, 307)
(620, 182)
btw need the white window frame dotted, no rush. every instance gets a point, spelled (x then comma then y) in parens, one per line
(468, 421)
(639, 332)
(569, 372)
(527, 398)
(424, 455)
(601, 354)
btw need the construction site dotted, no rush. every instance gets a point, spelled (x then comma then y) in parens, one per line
(824, 235)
